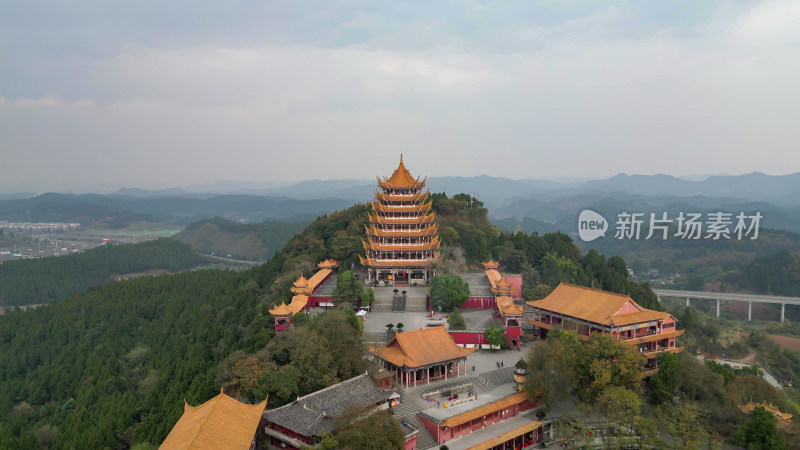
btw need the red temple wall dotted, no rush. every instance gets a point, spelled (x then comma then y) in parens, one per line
(468, 337)
(516, 285)
(480, 303)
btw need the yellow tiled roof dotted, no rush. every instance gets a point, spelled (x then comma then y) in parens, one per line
(647, 315)
(401, 178)
(281, 310)
(750, 406)
(301, 282)
(507, 436)
(491, 264)
(506, 306)
(221, 422)
(421, 347)
(592, 305)
(494, 276)
(485, 409)
(329, 263)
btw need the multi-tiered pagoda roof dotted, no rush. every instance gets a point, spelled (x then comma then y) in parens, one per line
(402, 236)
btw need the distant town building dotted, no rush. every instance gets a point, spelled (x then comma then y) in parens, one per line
(402, 236)
(589, 311)
(221, 422)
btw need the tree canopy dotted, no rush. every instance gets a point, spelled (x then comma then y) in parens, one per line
(448, 292)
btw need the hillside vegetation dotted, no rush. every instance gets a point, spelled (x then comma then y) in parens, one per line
(110, 367)
(35, 281)
(257, 241)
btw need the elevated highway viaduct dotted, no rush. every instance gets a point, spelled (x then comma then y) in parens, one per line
(749, 298)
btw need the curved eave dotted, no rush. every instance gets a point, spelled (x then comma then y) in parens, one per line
(415, 184)
(384, 197)
(432, 245)
(432, 230)
(428, 218)
(418, 263)
(421, 208)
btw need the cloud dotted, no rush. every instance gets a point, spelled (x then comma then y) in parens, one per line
(587, 91)
(770, 24)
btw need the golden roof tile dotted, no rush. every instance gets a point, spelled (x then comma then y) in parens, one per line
(401, 179)
(491, 264)
(281, 310)
(221, 422)
(592, 305)
(506, 306)
(329, 263)
(423, 347)
(484, 410)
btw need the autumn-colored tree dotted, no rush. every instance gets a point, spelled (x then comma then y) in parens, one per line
(361, 429)
(602, 362)
(246, 374)
(620, 406)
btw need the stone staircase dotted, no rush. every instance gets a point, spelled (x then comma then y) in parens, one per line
(383, 304)
(416, 304)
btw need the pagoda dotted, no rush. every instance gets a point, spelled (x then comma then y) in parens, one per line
(402, 236)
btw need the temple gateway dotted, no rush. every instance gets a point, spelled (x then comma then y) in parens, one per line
(402, 236)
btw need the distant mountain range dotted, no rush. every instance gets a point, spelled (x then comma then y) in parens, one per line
(539, 205)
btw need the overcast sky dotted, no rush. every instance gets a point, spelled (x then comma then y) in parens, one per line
(163, 94)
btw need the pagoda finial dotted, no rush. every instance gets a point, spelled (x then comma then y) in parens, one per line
(401, 158)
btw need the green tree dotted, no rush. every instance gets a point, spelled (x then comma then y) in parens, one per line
(664, 384)
(603, 362)
(550, 377)
(538, 292)
(448, 291)
(620, 406)
(556, 269)
(760, 432)
(348, 287)
(455, 320)
(379, 429)
(368, 298)
(683, 423)
(494, 336)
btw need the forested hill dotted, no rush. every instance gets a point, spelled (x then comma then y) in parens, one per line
(110, 367)
(252, 241)
(35, 281)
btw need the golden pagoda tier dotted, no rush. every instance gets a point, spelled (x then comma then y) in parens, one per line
(402, 236)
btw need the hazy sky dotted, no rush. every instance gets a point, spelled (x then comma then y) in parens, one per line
(161, 94)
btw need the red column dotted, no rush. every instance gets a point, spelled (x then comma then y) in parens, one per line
(415, 378)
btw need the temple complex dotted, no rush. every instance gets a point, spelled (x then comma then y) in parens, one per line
(589, 311)
(422, 355)
(303, 298)
(402, 236)
(221, 422)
